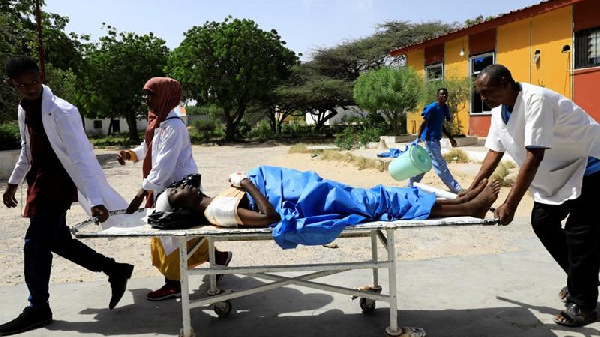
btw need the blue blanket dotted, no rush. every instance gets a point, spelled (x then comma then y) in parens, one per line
(392, 153)
(314, 211)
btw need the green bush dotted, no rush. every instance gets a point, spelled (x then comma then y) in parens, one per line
(205, 130)
(354, 136)
(10, 138)
(297, 130)
(204, 125)
(348, 139)
(261, 131)
(116, 139)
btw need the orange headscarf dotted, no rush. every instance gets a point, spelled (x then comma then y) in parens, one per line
(168, 96)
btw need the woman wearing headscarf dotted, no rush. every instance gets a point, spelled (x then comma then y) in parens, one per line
(167, 157)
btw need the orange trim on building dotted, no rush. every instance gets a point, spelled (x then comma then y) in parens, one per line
(479, 125)
(585, 82)
(434, 54)
(482, 42)
(517, 15)
(586, 15)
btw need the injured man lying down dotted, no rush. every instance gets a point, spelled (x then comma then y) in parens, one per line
(304, 208)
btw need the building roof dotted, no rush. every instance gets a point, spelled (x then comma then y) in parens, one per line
(520, 14)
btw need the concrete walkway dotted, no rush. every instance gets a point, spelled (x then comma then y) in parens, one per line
(506, 294)
(476, 152)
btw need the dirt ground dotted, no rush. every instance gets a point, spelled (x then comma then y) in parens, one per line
(216, 163)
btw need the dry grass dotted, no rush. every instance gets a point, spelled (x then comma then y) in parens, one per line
(358, 161)
(501, 173)
(298, 148)
(456, 155)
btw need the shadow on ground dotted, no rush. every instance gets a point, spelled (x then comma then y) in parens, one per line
(290, 312)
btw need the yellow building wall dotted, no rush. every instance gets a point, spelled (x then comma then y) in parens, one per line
(415, 60)
(513, 49)
(456, 66)
(550, 32)
(516, 44)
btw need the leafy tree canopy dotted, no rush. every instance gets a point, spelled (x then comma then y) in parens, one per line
(117, 69)
(389, 91)
(231, 64)
(18, 36)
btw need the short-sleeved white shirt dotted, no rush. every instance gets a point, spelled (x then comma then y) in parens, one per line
(544, 118)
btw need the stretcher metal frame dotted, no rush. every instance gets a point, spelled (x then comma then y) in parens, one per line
(378, 231)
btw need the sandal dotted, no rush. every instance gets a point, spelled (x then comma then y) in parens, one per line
(575, 316)
(412, 332)
(563, 294)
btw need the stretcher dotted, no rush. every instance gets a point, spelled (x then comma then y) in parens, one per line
(134, 226)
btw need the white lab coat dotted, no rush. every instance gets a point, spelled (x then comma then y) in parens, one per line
(543, 118)
(64, 129)
(171, 161)
(171, 155)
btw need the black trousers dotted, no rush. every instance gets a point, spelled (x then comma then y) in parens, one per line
(48, 233)
(576, 248)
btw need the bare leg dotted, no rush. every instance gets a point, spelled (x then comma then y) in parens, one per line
(477, 207)
(468, 196)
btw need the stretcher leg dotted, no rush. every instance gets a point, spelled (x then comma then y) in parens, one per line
(375, 258)
(212, 260)
(187, 330)
(393, 329)
(367, 305)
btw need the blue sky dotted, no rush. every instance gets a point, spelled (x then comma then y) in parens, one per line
(303, 24)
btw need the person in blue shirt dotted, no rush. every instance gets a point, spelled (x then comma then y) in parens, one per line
(430, 131)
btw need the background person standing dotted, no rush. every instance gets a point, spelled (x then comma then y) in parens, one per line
(430, 131)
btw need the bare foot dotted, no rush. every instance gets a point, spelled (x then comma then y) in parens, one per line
(479, 206)
(470, 195)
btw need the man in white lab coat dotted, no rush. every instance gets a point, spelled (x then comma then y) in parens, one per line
(59, 165)
(557, 146)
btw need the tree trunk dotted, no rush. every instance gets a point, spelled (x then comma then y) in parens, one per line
(131, 123)
(273, 121)
(324, 117)
(229, 128)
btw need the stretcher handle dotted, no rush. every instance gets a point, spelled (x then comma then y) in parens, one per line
(94, 219)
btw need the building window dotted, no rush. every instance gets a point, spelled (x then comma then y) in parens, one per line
(97, 124)
(116, 125)
(476, 64)
(587, 48)
(434, 72)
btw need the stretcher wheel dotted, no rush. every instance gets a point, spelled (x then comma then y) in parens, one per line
(367, 305)
(222, 309)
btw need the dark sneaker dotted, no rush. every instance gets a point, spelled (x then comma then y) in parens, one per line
(30, 319)
(118, 283)
(165, 292)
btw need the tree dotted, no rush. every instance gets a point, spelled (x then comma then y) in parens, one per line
(389, 91)
(477, 20)
(116, 70)
(350, 58)
(459, 94)
(18, 36)
(231, 64)
(326, 82)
